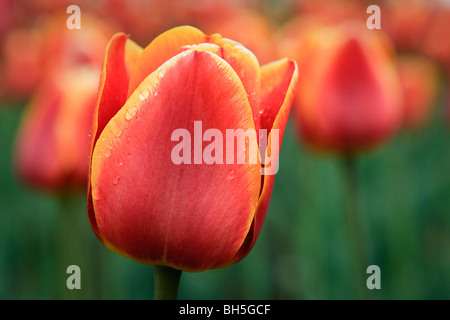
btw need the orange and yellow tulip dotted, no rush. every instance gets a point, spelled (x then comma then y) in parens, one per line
(142, 205)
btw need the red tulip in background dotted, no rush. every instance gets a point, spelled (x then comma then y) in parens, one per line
(419, 78)
(191, 217)
(349, 97)
(52, 147)
(447, 109)
(20, 72)
(407, 22)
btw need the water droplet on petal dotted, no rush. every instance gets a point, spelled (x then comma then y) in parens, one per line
(117, 131)
(120, 163)
(161, 74)
(131, 113)
(156, 93)
(231, 175)
(108, 153)
(116, 180)
(143, 95)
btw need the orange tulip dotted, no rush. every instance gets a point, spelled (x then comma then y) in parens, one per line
(141, 204)
(350, 96)
(419, 78)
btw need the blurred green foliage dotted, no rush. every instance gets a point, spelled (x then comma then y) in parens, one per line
(302, 252)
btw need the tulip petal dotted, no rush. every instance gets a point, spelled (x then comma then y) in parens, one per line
(247, 68)
(121, 54)
(161, 49)
(287, 74)
(278, 79)
(143, 200)
(243, 62)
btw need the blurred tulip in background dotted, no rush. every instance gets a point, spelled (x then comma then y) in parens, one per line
(419, 78)
(349, 96)
(53, 140)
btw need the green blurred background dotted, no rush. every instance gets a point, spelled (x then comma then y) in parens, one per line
(302, 252)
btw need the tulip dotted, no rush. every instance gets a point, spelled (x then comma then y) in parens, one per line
(419, 78)
(407, 22)
(188, 217)
(52, 145)
(436, 43)
(20, 72)
(350, 99)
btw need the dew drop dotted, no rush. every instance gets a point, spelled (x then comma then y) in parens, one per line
(156, 93)
(120, 163)
(161, 74)
(116, 180)
(143, 95)
(231, 175)
(117, 132)
(131, 113)
(108, 153)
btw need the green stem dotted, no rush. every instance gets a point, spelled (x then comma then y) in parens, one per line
(167, 280)
(67, 243)
(354, 226)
